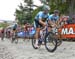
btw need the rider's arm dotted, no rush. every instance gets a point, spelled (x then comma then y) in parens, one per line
(58, 21)
(43, 23)
(40, 19)
(50, 22)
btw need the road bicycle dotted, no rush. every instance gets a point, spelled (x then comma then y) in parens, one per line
(50, 42)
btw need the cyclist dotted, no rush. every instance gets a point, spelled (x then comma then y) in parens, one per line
(2, 33)
(40, 19)
(15, 27)
(53, 19)
(14, 33)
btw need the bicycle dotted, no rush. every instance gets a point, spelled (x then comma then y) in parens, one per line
(55, 33)
(14, 36)
(50, 43)
(2, 34)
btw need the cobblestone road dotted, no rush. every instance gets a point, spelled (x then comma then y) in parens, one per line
(24, 50)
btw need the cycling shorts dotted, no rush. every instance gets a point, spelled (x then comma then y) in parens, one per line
(37, 24)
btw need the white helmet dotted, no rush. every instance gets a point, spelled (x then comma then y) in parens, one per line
(46, 7)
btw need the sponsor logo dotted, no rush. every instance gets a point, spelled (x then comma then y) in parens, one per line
(67, 31)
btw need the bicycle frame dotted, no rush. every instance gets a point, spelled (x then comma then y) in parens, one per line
(43, 33)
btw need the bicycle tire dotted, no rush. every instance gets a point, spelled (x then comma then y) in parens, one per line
(2, 37)
(13, 37)
(55, 40)
(33, 42)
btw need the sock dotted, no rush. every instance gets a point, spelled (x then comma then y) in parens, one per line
(36, 41)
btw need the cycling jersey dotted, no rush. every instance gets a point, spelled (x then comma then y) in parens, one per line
(41, 15)
(15, 26)
(53, 18)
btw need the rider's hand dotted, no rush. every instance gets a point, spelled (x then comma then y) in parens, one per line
(55, 25)
(45, 24)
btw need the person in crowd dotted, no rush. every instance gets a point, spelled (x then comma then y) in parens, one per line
(71, 21)
(63, 20)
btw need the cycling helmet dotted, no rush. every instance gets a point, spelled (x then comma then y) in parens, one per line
(46, 7)
(56, 11)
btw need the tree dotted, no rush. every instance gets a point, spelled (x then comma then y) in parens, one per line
(36, 11)
(27, 13)
(24, 12)
(71, 9)
(64, 6)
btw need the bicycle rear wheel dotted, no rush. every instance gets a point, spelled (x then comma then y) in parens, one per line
(33, 42)
(13, 37)
(2, 36)
(50, 42)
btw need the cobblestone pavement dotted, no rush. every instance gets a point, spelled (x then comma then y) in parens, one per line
(24, 50)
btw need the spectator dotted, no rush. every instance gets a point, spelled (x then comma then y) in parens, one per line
(73, 19)
(64, 19)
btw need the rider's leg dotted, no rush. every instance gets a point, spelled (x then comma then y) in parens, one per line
(37, 36)
(49, 29)
(37, 26)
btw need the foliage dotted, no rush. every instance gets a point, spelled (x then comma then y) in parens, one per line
(3, 25)
(24, 12)
(36, 11)
(64, 6)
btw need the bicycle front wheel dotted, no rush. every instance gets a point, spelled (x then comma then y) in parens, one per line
(50, 42)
